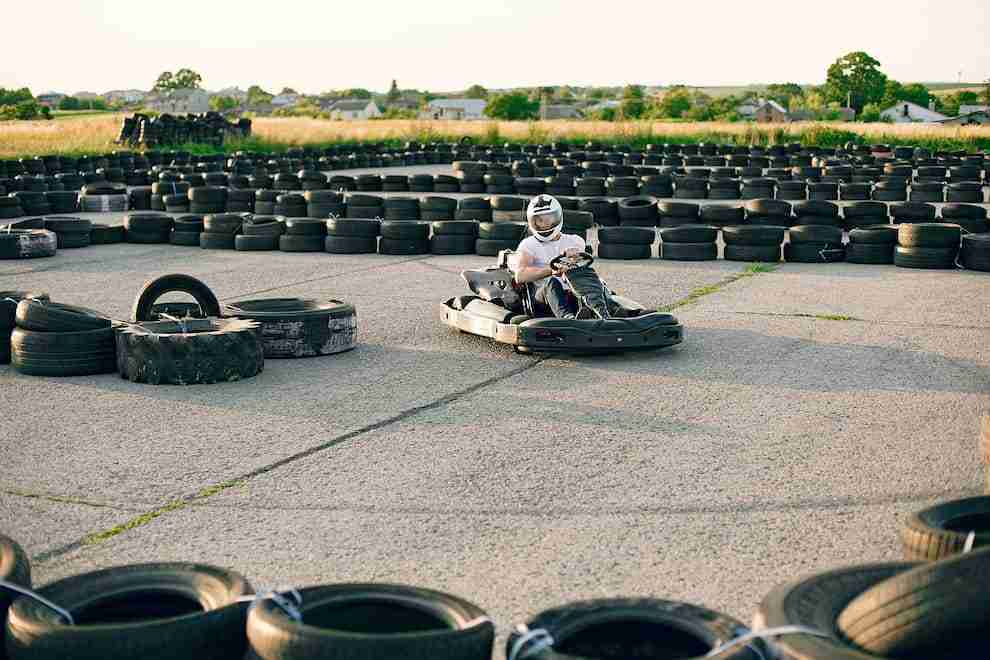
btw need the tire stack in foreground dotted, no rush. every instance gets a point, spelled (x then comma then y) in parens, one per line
(53, 339)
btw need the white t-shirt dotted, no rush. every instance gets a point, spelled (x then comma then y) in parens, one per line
(543, 253)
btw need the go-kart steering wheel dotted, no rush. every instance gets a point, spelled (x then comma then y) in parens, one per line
(580, 260)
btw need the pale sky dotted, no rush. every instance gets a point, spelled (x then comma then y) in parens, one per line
(439, 45)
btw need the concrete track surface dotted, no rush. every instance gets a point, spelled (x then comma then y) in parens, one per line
(808, 410)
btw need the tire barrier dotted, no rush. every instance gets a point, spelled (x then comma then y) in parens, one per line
(149, 611)
(626, 242)
(944, 530)
(295, 328)
(8, 311)
(27, 243)
(208, 128)
(370, 620)
(53, 339)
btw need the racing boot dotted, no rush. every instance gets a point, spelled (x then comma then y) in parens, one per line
(588, 287)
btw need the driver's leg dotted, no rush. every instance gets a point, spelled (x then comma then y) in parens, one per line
(552, 294)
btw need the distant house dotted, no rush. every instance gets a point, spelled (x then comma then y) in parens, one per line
(747, 109)
(608, 104)
(285, 100)
(559, 112)
(354, 109)
(179, 101)
(51, 99)
(455, 109)
(770, 112)
(403, 104)
(905, 112)
(124, 96)
(235, 93)
(86, 96)
(967, 109)
(260, 108)
(975, 118)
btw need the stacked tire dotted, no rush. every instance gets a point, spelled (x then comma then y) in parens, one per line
(639, 211)
(220, 230)
(625, 242)
(70, 232)
(404, 238)
(493, 237)
(8, 310)
(752, 243)
(972, 218)
(324, 204)
(453, 237)
(872, 244)
(689, 243)
(52, 339)
(814, 244)
(764, 211)
(865, 214)
(975, 252)
(675, 214)
(260, 233)
(352, 236)
(147, 227)
(186, 230)
(303, 235)
(205, 200)
(295, 328)
(927, 245)
(433, 208)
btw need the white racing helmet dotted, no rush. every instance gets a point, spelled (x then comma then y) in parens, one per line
(545, 216)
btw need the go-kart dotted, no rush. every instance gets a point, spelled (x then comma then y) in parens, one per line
(508, 312)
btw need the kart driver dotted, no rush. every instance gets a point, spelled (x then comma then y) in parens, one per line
(545, 216)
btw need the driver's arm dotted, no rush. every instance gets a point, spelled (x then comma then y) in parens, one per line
(526, 271)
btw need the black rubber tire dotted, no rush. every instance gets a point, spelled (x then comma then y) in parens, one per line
(768, 207)
(486, 247)
(148, 238)
(638, 208)
(874, 234)
(815, 601)
(501, 231)
(627, 235)
(814, 253)
(199, 351)
(395, 246)
(174, 283)
(148, 611)
(975, 252)
(148, 223)
(40, 315)
(935, 610)
(941, 531)
(305, 227)
(679, 210)
(372, 621)
(921, 257)
(187, 238)
(350, 244)
(822, 208)
(928, 234)
(268, 225)
(405, 231)
(636, 628)
(963, 211)
(722, 216)
(454, 228)
(689, 234)
(755, 253)
(753, 235)
(222, 223)
(81, 353)
(870, 253)
(289, 243)
(624, 251)
(452, 244)
(295, 328)
(689, 251)
(815, 234)
(246, 243)
(912, 212)
(101, 234)
(27, 243)
(866, 209)
(210, 241)
(351, 227)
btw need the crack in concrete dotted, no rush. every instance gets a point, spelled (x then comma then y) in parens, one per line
(62, 499)
(699, 293)
(97, 537)
(843, 317)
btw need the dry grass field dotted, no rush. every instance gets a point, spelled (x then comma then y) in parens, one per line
(95, 134)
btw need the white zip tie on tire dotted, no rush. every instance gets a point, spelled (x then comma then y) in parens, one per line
(970, 541)
(24, 591)
(540, 638)
(763, 634)
(278, 597)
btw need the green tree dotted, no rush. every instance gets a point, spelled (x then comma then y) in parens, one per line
(895, 91)
(223, 103)
(782, 93)
(950, 103)
(14, 96)
(476, 92)
(69, 103)
(633, 105)
(512, 106)
(856, 78)
(357, 93)
(181, 79)
(986, 91)
(27, 110)
(675, 103)
(256, 95)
